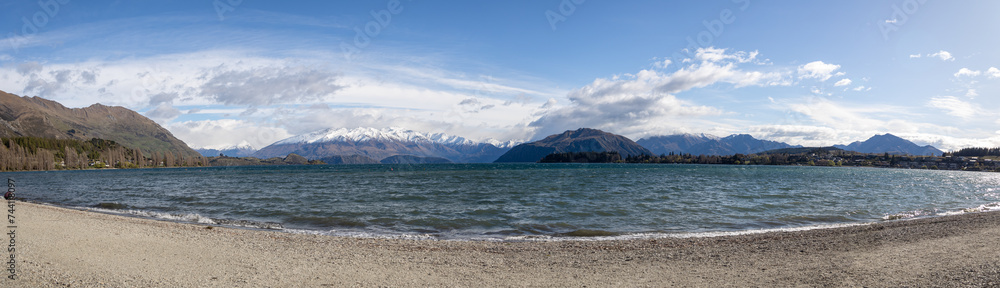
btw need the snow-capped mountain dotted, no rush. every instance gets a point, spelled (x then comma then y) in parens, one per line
(386, 134)
(243, 149)
(382, 143)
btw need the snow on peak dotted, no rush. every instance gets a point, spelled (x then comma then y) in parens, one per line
(385, 134)
(243, 145)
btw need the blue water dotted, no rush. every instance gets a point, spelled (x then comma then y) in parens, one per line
(513, 201)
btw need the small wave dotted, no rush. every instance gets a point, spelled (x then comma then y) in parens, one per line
(995, 206)
(906, 215)
(249, 224)
(185, 217)
(112, 208)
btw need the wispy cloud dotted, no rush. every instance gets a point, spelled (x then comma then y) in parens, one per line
(956, 107)
(943, 55)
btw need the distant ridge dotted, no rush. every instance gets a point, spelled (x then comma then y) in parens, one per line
(242, 150)
(802, 150)
(680, 143)
(43, 118)
(580, 140)
(891, 144)
(410, 159)
(709, 145)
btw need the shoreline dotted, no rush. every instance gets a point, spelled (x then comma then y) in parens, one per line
(197, 219)
(59, 247)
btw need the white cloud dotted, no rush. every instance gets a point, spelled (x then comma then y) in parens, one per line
(662, 64)
(817, 70)
(915, 55)
(860, 88)
(163, 113)
(178, 88)
(967, 72)
(843, 82)
(266, 85)
(971, 93)
(646, 101)
(712, 54)
(955, 107)
(217, 134)
(944, 55)
(993, 72)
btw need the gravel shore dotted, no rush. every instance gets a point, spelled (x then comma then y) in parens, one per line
(58, 247)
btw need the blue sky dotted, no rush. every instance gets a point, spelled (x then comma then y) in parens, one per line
(805, 72)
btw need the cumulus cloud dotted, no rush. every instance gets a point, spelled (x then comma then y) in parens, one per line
(268, 85)
(163, 113)
(993, 72)
(89, 77)
(843, 82)
(967, 72)
(160, 98)
(943, 55)
(646, 100)
(817, 70)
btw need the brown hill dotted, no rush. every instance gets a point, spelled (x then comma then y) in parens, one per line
(38, 117)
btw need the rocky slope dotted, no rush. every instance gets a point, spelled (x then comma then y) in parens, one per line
(580, 140)
(38, 117)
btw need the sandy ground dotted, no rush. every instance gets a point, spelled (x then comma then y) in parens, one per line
(59, 247)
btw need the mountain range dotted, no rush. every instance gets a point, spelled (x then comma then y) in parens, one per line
(709, 145)
(580, 140)
(243, 149)
(379, 144)
(38, 117)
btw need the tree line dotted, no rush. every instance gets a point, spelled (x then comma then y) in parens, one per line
(34, 153)
(976, 152)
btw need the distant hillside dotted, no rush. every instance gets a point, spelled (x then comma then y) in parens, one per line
(709, 145)
(891, 144)
(291, 159)
(678, 144)
(243, 150)
(348, 159)
(383, 143)
(410, 159)
(38, 117)
(803, 150)
(580, 140)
